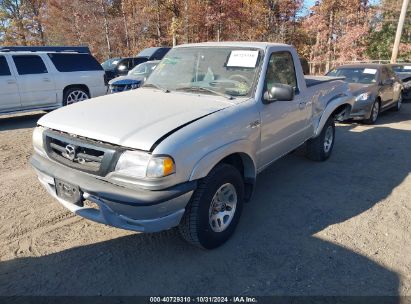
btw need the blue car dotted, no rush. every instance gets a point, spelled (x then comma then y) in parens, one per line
(134, 79)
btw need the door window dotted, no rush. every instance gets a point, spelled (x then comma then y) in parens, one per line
(29, 64)
(280, 70)
(74, 62)
(390, 73)
(137, 61)
(384, 75)
(130, 64)
(4, 67)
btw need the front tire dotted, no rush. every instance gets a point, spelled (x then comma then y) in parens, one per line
(375, 111)
(215, 208)
(397, 107)
(320, 147)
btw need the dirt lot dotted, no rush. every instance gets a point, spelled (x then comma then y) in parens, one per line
(336, 228)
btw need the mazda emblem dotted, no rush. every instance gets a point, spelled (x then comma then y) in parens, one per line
(70, 152)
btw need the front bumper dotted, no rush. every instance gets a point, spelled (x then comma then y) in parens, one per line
(362, 109)
(131, 209)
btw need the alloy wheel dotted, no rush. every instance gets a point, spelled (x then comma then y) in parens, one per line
(223, 207)
(76, 96)
(328, 139)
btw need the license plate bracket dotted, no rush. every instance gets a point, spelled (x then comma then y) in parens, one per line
(69, 192)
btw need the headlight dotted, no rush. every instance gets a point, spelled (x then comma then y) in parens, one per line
(38, 141)
(136, 164)
(160, 166)
(362, 97)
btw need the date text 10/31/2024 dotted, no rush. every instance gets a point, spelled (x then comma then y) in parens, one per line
(175, 299)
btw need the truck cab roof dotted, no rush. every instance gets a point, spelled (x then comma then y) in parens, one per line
(258, 45)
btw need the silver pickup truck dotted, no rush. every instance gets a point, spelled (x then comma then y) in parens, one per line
(186, 148)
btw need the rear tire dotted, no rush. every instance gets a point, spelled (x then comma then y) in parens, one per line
(207, 222)
(74, 95)
(320, 147)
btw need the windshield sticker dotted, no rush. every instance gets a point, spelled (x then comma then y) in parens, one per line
(243, 59)
(171, 60)
(370, 71)
(407, 67)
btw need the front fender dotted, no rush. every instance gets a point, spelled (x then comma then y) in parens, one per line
(245, 148)
(332, 106)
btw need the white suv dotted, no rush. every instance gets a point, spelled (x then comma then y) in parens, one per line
(45, 80)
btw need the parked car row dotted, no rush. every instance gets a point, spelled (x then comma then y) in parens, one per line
(376, 88)
(155, 158)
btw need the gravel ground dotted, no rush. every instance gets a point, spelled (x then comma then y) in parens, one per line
(336, 228)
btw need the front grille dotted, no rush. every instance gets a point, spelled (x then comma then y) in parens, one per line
(85, 155)
(120, 88)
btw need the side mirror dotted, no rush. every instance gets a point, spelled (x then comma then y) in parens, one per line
(279, 92)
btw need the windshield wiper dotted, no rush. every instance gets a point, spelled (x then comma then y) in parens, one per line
(165, 90)
(196, 88)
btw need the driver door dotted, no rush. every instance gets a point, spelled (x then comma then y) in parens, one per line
(283, 123)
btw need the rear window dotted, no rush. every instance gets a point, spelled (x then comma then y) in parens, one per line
(29, 64)
(4, 67)
(75, 62)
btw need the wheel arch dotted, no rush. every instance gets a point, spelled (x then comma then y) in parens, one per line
(339, 108)
(241, 160)
(243, 163)
(79, 86)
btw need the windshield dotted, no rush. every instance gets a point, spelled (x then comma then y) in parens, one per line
(110, 64)
(143, 69)
(356, 75)
(402, 68)
(208, 70)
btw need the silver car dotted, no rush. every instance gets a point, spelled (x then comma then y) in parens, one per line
(134, 79)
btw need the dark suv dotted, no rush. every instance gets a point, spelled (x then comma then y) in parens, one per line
(115, 67)
(153, 53)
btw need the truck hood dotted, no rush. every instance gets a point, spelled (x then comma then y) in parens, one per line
(135, 119)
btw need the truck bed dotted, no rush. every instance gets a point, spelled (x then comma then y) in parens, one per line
(316, 80)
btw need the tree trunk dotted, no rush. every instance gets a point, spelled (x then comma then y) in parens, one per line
(19, 22)
(125, 25)
(329, 42)
(103, 7)
(158, 25)
(186, 21)
(173, 29)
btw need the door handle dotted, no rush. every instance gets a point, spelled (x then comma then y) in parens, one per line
(46, 79)
(11, 81)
